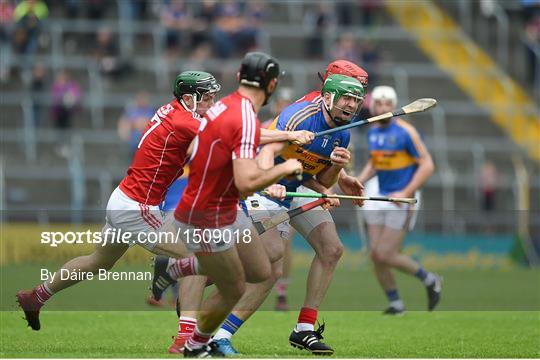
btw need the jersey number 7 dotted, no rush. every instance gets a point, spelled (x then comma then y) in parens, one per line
(160, 114)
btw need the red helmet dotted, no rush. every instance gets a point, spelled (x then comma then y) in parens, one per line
(347, 68)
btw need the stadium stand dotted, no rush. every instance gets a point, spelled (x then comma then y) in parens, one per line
(460, 133)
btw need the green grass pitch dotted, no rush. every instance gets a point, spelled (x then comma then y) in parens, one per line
(483, 314)
(352, 334)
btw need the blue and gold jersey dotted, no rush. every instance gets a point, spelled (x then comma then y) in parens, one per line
(314, 157)
(394, 151)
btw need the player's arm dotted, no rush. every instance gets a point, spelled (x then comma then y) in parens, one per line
(340, 158)
(315, 185)
(329, 176)
(267, 154)
(425, 169)
(350, 185)
(301, 137)
(367, 172)
(417, 148)
(249, 177)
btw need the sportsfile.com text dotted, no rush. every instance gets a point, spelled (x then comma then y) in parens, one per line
(119, 236)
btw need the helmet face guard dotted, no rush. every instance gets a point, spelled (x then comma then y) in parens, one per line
(196, 84)
(258, 70)
(338, 86)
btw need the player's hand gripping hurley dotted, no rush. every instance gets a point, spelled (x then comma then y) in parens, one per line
(412, 108)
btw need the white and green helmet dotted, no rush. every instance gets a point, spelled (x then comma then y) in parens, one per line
(341, 85)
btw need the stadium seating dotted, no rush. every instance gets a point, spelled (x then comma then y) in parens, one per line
(460, 138)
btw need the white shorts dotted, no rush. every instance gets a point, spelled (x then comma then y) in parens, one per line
(210, 240)
(132, 218)
(168, 218)
(260, 208)
(394, 216)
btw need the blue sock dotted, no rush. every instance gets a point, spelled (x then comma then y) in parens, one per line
(394, 300)
(392, 295)
(421, 274)
(232, 324)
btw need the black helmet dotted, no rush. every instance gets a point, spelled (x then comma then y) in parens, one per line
(257, 70)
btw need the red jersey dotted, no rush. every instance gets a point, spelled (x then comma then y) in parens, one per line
(161, 154)
(314, 97)
(230, 131)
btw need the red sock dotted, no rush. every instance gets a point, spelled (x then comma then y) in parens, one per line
(281, 287)
(43, 293)
(183, 267)
(306, 319)
(198, 339)
(186, 326)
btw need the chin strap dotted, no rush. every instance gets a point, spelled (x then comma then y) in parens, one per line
(194, 98)
(327, 111)
(266, 96)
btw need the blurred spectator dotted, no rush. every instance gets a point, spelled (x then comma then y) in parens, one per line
(532, 48)
(488, 186)
(133, 9)
(107, 54)
(72, 8)
(200, 32)
(134, 119)
(235, 31)
(95, 9)
(370, 60)
(531, 9)
(202, 23)
(257, 12)
(319, 23)
(37, 87)
(66, 97)
(6, 28)
(176, 20)
(344, 13)
(29, 15)
(227, 27)
(347, 49)
(369, 10)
